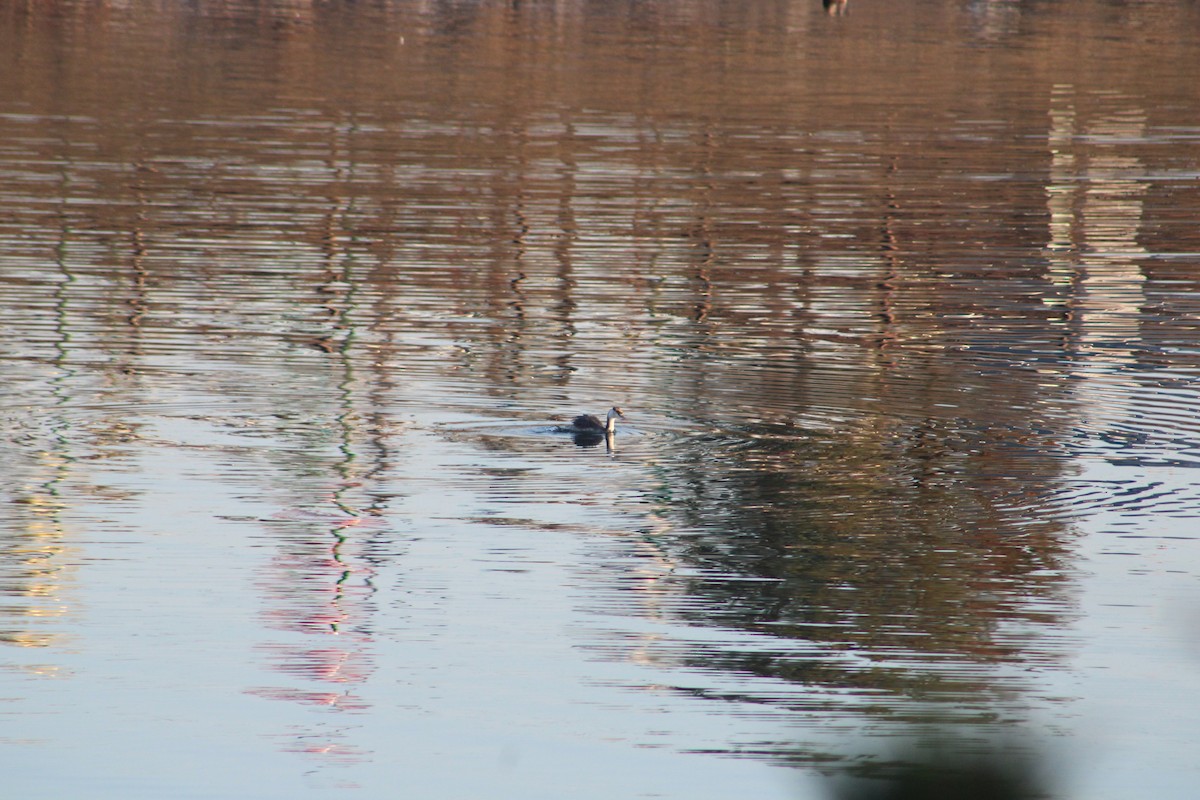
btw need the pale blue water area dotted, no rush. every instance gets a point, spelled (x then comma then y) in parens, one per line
(900, 305)
(223, 643)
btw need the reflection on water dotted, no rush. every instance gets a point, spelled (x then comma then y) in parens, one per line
(899, 303)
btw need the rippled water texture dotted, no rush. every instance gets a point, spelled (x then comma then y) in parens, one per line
(900, 301)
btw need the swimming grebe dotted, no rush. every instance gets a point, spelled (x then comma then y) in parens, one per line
(586, 423)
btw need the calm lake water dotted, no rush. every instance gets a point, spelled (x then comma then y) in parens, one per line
(901, 301)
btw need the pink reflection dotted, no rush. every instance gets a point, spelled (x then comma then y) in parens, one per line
(334, 700)
(318, 584)
(331, 664)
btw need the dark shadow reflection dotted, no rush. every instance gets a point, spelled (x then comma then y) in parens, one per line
(857, 551)
(943, 766)
(595, 439)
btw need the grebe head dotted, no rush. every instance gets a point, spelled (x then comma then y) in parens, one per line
(611, 421)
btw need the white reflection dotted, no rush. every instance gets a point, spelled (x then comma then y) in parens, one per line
(1094, 197)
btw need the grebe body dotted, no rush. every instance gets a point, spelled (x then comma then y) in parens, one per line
(589, 423)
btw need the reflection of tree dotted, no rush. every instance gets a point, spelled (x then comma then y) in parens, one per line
(318, 590)
(321, 579)
(882, 313)
(33, 576)
(880, 544)
(34, 544)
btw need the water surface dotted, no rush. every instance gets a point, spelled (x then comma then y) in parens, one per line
(900, 305)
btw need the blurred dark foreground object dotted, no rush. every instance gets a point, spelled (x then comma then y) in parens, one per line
(945, 772)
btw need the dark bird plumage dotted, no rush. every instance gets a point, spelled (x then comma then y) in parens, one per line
(590, 422)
